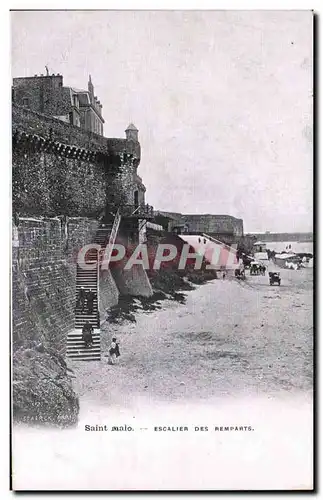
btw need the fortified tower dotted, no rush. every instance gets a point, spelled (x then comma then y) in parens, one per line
(131, 133)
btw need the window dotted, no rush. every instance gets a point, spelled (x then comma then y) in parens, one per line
(136, 199)
(25, 101)
(75, 101)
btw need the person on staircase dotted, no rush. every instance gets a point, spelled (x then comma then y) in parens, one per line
(87, 334)
(90, 296)
(81, 299)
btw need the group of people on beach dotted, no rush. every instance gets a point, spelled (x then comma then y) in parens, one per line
(87, 337)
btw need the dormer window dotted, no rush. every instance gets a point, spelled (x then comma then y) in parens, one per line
(25, 101)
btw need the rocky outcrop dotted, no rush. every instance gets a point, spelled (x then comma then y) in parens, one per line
(42, 388)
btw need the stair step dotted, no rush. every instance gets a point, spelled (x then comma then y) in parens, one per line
(85, 316)
(78, 335)
(82, 357)
(86, 313)
(78, 338)
(80, 324)
(80, 345)
(82, 282)
(94, 300)
(83, 350)
(87, 272)
(91, 285)
(78, 308)
(78, 332)
(90, 358)
(80, 348)
(82, 278)
(88, 261)
(81, 319)
(92, 319)
(79, 329)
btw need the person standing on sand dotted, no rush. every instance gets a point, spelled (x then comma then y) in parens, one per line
(114, 352)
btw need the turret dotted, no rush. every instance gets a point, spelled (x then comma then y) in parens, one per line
(132, 133)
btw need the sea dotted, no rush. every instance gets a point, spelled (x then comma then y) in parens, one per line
(293, 246)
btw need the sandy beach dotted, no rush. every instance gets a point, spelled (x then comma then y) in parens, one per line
(229, 338)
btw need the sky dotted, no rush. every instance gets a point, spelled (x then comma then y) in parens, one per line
(223, 101)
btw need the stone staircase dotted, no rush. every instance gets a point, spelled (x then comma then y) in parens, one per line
(88, 279)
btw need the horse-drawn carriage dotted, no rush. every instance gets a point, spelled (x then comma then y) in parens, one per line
(274, 278)
(256, 268)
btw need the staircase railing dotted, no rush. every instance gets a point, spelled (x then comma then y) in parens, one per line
(114, 231)
(106, 254)
(214, 240)
(141, 211)
(136, 210)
